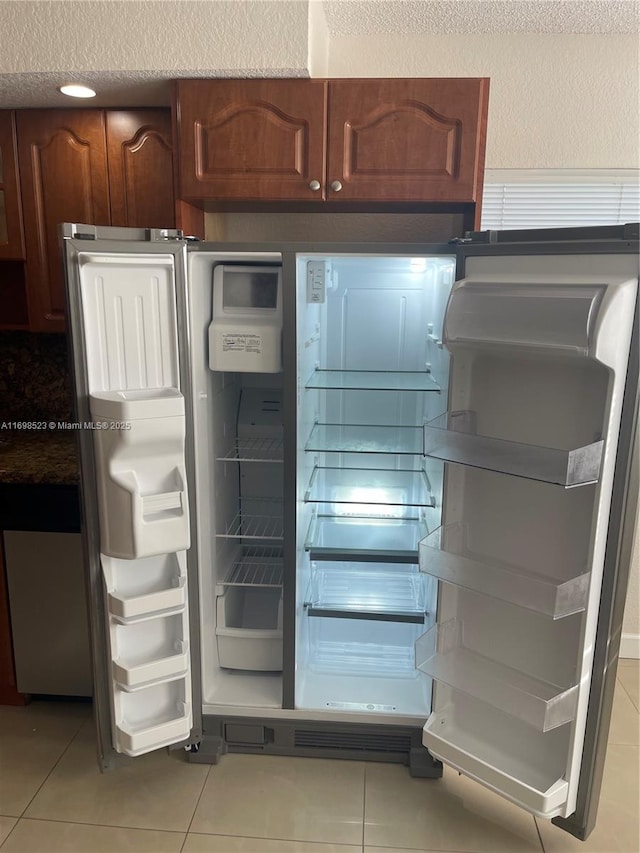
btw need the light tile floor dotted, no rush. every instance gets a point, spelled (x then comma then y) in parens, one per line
(53, 799)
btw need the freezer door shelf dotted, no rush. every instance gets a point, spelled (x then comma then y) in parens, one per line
(137, 589)
(133, 677)
(445, 554)
(441, 654)
(452, 437)
(385, 540)
(387, 596)
(358, 488)
(152, 717)
(530, 787)
(372, 380)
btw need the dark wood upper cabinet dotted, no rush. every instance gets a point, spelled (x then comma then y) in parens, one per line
(63, 178)
(139, 152)
(406, 140)
(346, 141)
(251, 139)
(11, 242)
(111, 167)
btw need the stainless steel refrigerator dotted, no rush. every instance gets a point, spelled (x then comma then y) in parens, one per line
(361, 501)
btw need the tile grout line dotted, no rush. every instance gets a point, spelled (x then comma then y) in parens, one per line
(364, 803)
(535, 823)
(59, 759)
(195, 808)
(11, 831)
(622, 684)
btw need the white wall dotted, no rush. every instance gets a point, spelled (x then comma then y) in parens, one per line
(556, 101)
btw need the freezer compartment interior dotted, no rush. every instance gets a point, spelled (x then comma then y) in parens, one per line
(239, 455)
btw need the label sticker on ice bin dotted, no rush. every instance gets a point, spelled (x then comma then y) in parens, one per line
(242, 343)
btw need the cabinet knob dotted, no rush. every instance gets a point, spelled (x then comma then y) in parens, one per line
(336, 186)
(314, 185)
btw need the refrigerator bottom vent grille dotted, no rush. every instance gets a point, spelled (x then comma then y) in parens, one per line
(387, 743)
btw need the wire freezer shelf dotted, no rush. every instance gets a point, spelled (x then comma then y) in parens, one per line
(254, 450)
(254, 571)
(254, 527)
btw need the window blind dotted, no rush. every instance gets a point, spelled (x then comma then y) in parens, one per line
(552, 198)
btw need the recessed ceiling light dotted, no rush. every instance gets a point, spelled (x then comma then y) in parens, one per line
(77, 91)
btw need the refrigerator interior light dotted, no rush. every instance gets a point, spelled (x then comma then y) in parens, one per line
(418, 264)
(374, 503)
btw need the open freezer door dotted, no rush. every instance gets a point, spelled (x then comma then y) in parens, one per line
(126, 306)
(536, 449)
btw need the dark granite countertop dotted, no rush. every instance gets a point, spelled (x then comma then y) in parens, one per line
(47, 457)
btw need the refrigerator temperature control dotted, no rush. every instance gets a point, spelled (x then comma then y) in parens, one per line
(318, 272)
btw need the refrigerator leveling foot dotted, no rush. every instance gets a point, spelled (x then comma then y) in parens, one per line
(423, 765)
(209, 751)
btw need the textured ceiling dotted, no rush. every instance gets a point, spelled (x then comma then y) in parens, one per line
(372, 17)
(130, 49)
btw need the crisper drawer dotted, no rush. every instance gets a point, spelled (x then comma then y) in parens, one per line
(363, 647)
(249, 628)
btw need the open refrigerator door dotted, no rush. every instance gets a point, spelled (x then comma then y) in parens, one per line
(534, 442)
(126, 305)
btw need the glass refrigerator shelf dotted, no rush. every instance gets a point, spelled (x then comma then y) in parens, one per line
(372, 488)
(372, 380)
(362, 438)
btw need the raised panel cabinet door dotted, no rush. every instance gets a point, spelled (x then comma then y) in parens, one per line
(63, 178)
(11, 242)
(140, 157)
(251, 139)
(406, 140)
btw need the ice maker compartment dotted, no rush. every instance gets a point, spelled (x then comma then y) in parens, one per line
(139, 451)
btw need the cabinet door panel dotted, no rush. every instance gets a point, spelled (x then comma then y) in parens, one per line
(140, 168)
(63, 178)
(11, 242)
(406, 140)
(251, 139)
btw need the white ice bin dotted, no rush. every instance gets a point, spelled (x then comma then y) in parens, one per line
(139, 451)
